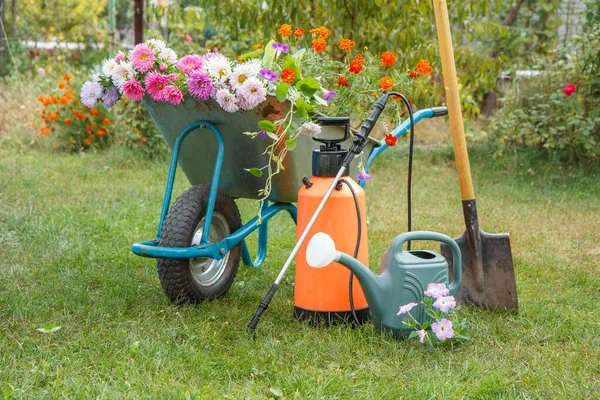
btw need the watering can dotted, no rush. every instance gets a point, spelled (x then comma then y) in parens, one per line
(404, 276)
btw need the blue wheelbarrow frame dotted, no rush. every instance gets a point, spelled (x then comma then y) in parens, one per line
(218, 250)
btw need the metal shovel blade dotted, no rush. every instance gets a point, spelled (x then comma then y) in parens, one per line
(488, 271)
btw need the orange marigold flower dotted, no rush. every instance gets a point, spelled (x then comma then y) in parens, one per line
(257, 46)
(284, 30)
(298, 32)
(54, 100)
(94, 112)
(342, 81)
(386, 83)
(391, 140)
(89, 128)
(424, 68)
(356, 66)
(69, 94)
(67, 78)
(288, 76)
(71, 141)
(360, 58)
(412, 74)
(388, 58)
(319, 45)
(41, 99)
(87, 142)
(64, 100)
(53, 116)
(322, 31)
(46, 101)
(77, 101)
(45, 131)
(67, 121)
(101, 132)
(105, 121)
(61, 85)
(346, 44)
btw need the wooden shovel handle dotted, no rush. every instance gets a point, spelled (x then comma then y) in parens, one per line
(454, 110)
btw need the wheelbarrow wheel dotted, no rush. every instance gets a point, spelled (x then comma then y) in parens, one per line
(203, 278)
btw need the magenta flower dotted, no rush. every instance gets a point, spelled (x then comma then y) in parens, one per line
(329, 95)
(570, 89)
(437, 290)
(190, 63)
(363, 176)
(421, 334)
(200, 85)
(155, 85)
(188, 38)
(120, 56)
(268, 75)
(443, 329)
(406, 308)
(262, 134)
(133, 90)
(41, 71)
(173, 94)
(284, 48)
(444, 304)
(142, 57)
(162, 67)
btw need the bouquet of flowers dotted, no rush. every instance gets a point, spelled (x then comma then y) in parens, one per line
(301, 75)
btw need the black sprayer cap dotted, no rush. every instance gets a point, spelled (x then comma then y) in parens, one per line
(327, 163)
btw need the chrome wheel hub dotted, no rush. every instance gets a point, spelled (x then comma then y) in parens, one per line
(206, 271)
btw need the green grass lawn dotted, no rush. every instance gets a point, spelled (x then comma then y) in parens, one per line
(67, 224)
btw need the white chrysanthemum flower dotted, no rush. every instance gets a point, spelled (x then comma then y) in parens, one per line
(108, 66)
(253, 92)
(239, 75)
(227, 100)
(253, 66)
(167, 54)
(309, 129)
(294, 94)
(121, 73)
(156, 43)
(218, 66)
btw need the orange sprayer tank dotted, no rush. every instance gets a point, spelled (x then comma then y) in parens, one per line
(322, 293)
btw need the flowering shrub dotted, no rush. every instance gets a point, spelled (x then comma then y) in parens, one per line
(291, 69)
(444, 322)
(74, 127)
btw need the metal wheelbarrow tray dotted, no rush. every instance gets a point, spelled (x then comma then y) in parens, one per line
(200, 238)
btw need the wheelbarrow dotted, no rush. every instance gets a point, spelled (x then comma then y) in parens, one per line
(201, 238)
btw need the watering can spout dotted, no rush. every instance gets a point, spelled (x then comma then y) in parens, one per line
(321, 252)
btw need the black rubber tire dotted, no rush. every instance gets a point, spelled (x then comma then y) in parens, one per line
(178, 231)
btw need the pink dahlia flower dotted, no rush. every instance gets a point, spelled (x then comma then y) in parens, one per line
(191, 63)
(173, 95)
(156, 84)
(142, 57)
(200, 85)
(133, 90)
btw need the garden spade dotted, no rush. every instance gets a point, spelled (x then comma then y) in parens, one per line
(488, 272)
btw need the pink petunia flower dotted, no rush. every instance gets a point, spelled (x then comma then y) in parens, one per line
(570, 89)
(443, 329)
(133, 90)
(142, 57)
(190, 63)
(421, 335)
(155, 85)
(173, 94)
(406, 308)
(437, 290)
(444, 304)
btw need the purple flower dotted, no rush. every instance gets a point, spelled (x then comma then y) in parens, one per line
(436, 290)
(363, 176)
(328, 97)
(110, 97)
(421, 334)
(262, 134)
(284, 48)
(90, 93)
(443, 329)
(268, 74)
(2, 48)
(200, 85)
(406, 308)
(444, 304)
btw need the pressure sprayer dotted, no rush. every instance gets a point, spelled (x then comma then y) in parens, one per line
(339, 161)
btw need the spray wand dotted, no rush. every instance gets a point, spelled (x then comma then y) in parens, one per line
(359, 142)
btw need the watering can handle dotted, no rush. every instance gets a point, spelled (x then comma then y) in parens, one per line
(438, 237)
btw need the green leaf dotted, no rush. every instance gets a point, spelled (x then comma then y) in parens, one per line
(290, 144)
(304, 104)
(266, 125)
(281, 91)
(276, 392)
(269, 55)
(252, 54)
(271, 135)
(301, 113)
(425, 325)
(308, 86)
(412, 334)
(254, 171)
(49, 329)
